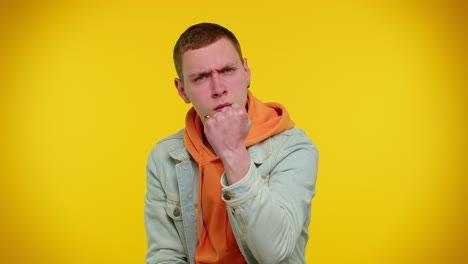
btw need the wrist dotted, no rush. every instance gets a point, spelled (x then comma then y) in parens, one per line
(236, 165)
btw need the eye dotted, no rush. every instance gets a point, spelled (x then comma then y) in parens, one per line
(200, 77)
(228, 70)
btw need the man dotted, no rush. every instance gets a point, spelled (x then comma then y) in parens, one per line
(235, 185)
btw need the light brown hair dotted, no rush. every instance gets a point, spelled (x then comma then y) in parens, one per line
(199, 36)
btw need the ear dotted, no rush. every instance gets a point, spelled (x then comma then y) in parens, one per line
(247, 72)
(181, 90)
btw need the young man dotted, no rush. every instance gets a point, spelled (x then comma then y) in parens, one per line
(235, 185)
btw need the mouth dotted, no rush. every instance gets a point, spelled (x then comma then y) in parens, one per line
(221, 106)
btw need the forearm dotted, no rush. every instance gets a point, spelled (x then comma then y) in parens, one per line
(273, 206)
(272, 219)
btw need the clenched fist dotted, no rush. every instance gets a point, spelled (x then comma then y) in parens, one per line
(226, 132)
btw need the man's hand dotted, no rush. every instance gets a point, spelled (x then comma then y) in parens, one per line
(226, 132)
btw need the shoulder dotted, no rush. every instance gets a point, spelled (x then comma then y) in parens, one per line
(281, 144)
(171, 139)
(172, 145)
(293, 136)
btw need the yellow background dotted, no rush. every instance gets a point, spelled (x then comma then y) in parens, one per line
(87, 89)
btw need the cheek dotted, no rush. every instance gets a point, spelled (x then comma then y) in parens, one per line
(194, 94)
(199, 100)
(239, 82)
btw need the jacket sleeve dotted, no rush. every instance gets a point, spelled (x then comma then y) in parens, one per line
(273, 209)
(164, 244)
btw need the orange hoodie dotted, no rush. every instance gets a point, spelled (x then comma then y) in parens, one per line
(216, 241)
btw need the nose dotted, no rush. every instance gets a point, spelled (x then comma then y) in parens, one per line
(218, 88)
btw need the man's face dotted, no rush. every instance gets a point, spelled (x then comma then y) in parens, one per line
(214, 77)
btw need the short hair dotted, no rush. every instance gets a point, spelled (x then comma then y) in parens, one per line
(199, 36)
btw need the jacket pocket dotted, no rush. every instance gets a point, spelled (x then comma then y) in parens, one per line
(173, 210)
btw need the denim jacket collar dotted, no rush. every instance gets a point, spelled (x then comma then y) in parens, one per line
(179, 152)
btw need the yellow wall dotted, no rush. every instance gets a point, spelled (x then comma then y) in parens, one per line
(87, 89)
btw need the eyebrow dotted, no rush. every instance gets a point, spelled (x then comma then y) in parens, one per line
(202, 73)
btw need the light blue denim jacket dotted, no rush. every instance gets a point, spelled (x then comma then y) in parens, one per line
(269, 209)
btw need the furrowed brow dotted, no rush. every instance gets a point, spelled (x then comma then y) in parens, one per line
(228, 66)
(194, 75)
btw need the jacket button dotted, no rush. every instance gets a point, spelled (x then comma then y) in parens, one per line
(226, 196)
(176, 212)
